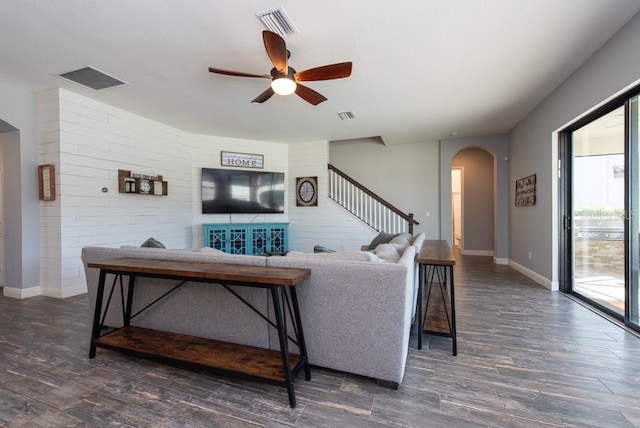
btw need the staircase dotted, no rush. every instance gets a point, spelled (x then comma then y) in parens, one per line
(366, 205)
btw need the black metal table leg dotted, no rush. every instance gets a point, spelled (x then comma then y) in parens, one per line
(301, 343)
(454, 335)
(284, 346)
(97, 311)
(418, 320)
(127, 313)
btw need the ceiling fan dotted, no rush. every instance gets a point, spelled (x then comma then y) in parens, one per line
(284, 79)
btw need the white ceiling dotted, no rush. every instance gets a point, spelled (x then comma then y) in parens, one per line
(422, 69)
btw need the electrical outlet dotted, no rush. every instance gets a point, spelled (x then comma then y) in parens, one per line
(530, 256)
(428, 213)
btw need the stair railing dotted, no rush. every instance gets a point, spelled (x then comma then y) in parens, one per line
(366, 205)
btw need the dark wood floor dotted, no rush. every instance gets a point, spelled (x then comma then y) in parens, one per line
(527, 357)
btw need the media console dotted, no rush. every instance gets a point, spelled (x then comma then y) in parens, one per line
(247, 238)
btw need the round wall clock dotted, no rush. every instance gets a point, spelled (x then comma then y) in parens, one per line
(307, 191)
(145, 186)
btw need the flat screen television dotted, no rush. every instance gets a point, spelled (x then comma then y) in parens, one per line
(227, 191)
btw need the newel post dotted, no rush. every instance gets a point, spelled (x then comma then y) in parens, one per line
(410, 220)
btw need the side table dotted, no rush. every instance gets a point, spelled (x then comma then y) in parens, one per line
(435, 267)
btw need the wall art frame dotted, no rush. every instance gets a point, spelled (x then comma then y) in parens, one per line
(242, 160)
(47, 182)
(526, 191)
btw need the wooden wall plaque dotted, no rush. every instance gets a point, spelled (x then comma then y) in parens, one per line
(47, 182)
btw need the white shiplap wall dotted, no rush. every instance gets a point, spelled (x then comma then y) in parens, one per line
(89, 144)
(89, 141)
(50, 218)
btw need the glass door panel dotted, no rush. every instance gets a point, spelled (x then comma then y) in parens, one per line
(598, 211)
(633, 213)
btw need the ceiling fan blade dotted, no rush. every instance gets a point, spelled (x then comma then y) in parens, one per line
(264, 96)
(277, 50)
(309, 95)
(326, 72)
(238, 73)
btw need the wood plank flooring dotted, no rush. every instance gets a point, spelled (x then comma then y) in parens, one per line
(527, 357)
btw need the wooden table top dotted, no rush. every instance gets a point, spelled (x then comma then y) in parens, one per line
(202, 271)
(435, 252)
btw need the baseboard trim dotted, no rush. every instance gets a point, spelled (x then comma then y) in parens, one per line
(546, 283)
(500, 261)
(477, 252)
(21, 293)
(67, 292)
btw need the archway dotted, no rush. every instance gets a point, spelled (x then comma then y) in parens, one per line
(497, 146)
(477, 202)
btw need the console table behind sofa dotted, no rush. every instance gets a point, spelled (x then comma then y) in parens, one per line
(279, 368)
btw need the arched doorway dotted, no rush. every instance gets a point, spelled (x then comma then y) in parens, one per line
(496, 146)
(477, 202)
(457, 209)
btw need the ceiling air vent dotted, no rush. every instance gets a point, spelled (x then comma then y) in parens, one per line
(91, 78)
(346, 115)
(279, 22)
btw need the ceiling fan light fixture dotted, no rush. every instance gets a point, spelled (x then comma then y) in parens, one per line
(283, 86)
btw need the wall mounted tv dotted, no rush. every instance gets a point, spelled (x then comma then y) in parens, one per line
(227, 191)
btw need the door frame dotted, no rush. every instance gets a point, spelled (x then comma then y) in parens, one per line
(461, 169)
(565, 197)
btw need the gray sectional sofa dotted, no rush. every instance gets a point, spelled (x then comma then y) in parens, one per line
(356, 307)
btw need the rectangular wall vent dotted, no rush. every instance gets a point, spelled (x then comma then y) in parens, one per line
(346, 115)
(278, 21)
(91, 78)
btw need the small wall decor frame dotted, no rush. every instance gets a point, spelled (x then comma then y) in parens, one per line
(526, 191)
(143, 184)
(244, 160)
(307, 191)
(47, 182)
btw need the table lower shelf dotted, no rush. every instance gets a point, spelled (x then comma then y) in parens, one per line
(194, 351)
(438, 311)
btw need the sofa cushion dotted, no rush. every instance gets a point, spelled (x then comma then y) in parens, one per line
(404, 235)
(365, 256)
(387, 253)
(209, 250)
(401, 242)
(382, 238)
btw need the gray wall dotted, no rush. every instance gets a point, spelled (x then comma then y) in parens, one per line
(534, 229)
(406, 175)
(478, 198)
(417, 178)
(21, 206)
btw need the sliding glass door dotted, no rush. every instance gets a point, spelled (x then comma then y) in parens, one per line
(633, 213)
(601, 193)
(598, 159)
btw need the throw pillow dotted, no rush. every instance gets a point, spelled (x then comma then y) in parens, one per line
(406, 236)
(153, 243)
(382, 238)
(387, 253)
(400, 242)
(321, 249)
